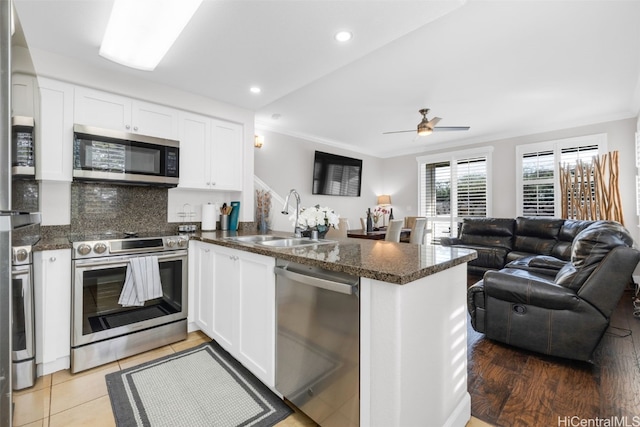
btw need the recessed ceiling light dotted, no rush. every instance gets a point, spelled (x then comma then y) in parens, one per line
(255, 89)
(343, 36)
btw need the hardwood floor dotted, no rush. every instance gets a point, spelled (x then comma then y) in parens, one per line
(513, 387)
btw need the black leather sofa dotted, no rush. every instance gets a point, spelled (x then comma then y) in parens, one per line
(499, 241)
(557, 302)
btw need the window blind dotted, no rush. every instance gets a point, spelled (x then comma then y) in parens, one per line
(538, 187)
(471, 186)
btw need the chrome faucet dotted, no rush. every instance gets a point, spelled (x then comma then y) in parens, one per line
(285, 210)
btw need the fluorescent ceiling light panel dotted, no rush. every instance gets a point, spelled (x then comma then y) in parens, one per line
(140, 32)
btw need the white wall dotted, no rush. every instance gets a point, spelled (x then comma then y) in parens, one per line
(286, 162)
(48, 64)
(400, 173)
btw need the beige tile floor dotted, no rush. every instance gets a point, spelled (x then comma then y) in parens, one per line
(65, 400)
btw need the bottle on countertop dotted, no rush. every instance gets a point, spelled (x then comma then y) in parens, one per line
(369, 221)
(390, 214)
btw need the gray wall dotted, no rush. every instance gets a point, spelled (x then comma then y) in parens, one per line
(286, 162)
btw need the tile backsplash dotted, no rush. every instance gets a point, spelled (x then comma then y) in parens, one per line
(99, 207)
(24, 195)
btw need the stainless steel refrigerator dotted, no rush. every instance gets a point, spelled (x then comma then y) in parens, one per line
(5, 221)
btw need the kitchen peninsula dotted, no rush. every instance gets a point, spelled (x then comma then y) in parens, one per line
(413, 360)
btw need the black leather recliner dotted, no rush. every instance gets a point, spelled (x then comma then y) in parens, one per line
(560, 308)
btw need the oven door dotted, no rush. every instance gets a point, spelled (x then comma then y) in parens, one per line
(22, 314)
(97, 284)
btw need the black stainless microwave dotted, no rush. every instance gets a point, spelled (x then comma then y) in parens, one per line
(120, 157)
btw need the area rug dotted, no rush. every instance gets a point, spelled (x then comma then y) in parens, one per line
(202, 386)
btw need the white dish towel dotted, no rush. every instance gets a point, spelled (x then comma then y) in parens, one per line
(142, 281)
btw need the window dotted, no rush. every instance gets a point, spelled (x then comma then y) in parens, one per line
(537, 170)
(453, 186)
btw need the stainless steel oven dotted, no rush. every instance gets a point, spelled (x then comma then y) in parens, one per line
(23, 335)
(103, 330)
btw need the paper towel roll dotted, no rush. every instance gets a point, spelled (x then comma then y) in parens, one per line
(209, 213)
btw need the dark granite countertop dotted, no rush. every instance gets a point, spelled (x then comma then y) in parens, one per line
(52, 243)
(397, 263)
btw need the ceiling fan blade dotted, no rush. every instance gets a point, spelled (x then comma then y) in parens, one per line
(399, 131)
(450, 128)
(434, 121)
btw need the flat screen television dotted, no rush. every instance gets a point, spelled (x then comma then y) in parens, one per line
(335, 175)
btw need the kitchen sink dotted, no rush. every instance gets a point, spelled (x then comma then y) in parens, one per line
(293, 242)
(258, 238)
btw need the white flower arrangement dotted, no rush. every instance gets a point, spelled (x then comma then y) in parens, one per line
(316, 217)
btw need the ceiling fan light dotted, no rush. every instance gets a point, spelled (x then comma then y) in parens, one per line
(424, 129)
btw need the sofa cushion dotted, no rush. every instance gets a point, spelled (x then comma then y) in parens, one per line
(483, 232)
(589, 248)
(568, 232)
(491, 258)
(536, 235)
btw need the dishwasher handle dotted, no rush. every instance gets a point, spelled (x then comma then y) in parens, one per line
(330, 285)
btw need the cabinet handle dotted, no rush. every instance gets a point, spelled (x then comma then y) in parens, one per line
(135, 128)
(207, 250)
(52, 259)
(213, 183)
(127, 127)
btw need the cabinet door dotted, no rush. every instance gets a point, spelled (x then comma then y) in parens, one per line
(54, 132)
(22, 97)
(154, 120)
(255, 343)
(195, 134)
(52, 291)
(202, 259)
(102, 109)
(225, 280)
(227, 159)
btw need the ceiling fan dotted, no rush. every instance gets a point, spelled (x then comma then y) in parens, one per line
(426, 126)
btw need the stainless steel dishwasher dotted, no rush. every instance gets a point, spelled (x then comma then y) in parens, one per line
(318, 342)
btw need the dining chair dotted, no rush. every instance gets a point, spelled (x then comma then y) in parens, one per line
(418, 231)
(341, 232)
(393, 230)
(410, 220)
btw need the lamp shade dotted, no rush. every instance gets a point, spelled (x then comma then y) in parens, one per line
(384, 199)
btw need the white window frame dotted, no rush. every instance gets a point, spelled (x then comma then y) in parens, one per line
(556, 146)
(453, 157)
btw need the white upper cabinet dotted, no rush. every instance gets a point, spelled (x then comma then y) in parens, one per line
(54, 131)
(195, 136)
(226, 155)
(110, 111)
(22, 95)
(210, 153)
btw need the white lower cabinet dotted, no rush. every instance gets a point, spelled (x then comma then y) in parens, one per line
(201, 286)
(234, 303)
(52, 291)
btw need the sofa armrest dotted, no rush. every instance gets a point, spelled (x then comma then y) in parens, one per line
(520, 286)
(544, 264)
(450, 241)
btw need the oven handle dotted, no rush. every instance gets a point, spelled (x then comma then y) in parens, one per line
(98, 262)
